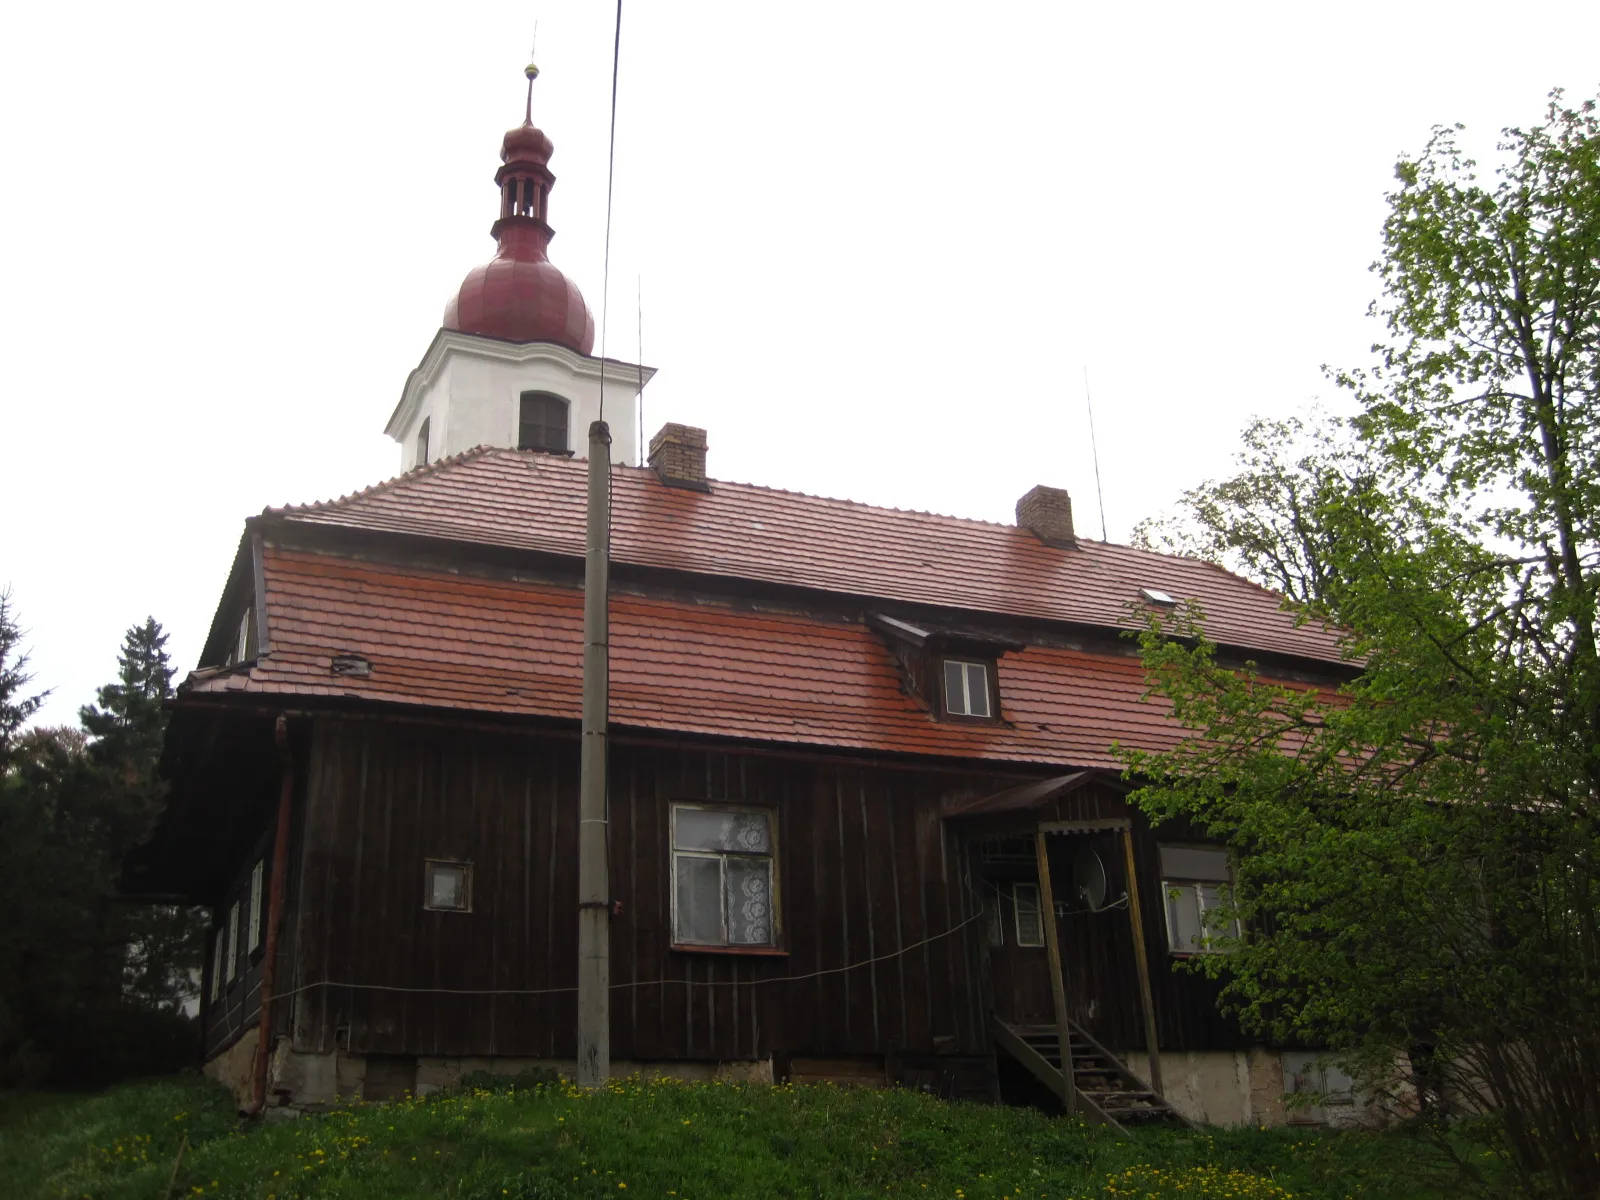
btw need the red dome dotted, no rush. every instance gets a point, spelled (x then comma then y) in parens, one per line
(520, 295)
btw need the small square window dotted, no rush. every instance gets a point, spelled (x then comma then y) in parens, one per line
(1159, 598)
(449, 886)
(966, 688)
(1030, 920)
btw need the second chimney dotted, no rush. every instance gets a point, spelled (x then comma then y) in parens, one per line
(678, 457)
(1046, 512)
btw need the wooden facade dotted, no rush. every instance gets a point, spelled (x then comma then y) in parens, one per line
(885, 947)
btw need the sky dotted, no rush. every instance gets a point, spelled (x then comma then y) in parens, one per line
(875, 249)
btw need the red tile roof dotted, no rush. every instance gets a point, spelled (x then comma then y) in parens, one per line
(444, 640)
(512, 498)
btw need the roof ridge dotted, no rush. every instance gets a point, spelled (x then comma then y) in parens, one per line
(383, 485)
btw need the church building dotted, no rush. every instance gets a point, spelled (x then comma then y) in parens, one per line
(865, 820)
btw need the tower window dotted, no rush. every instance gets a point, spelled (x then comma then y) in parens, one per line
(542, 423)
(422, 442)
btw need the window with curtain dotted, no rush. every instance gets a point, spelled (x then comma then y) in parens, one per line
(722, 877)
(542, 423)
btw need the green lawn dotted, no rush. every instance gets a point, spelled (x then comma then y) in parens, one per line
(662, 1139)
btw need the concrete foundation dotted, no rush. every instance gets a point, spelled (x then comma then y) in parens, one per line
(314, 1081)
(1219, 1087)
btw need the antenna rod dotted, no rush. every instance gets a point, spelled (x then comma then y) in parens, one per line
(638, 396)
(1095, 449)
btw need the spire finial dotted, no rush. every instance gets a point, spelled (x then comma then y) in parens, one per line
(532, 72)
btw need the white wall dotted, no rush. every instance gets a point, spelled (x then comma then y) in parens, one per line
(469, 389)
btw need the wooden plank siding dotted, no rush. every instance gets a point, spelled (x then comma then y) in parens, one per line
(1097, 947)
(866, 874)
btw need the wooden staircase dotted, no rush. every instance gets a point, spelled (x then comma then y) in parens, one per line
(1105, 1090)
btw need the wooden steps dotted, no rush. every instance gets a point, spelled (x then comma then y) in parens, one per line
(1105, 1090)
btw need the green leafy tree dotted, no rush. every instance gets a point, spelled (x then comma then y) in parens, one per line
(1418, 849)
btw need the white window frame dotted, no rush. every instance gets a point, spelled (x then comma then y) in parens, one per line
(1035, 906)
(257, 874)
(722, 856)
(231, 967)
(1177, 888)
(968, 665)
(218, 946)
(429, 866)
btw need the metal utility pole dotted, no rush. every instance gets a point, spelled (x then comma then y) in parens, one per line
(594, 905)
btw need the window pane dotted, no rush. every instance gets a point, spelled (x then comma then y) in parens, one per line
(749, 883)
(954, 699)
(699, 911)
(707, 829)
(1205, 863)
(447, 886)
(254, 939)
(542, 423)
(1183, 917)
(232, 964)
(977, 690)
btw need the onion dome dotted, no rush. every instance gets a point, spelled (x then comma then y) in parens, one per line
(520, 295)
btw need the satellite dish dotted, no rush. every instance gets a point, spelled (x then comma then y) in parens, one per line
(1089, 879)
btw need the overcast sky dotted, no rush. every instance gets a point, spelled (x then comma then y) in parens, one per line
(878, 244)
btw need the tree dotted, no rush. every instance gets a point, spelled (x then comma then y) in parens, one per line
(1419, 854)
(90, 986)
(127, 725)
(16, 710)
(162, 943)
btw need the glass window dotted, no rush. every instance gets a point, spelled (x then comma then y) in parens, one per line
(448, 886)
(722, 877)
(966, 688)
(542, 423)
(1195, 884)
(422, 442)
(219, 945)
(231, 965)
(256, 873)
(1030, 921)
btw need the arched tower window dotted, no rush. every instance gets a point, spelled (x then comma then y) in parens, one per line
(542, 423)
(422, 442)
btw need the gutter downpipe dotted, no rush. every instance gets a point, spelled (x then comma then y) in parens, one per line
(269, 956)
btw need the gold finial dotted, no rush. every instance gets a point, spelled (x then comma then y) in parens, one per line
(531, 71)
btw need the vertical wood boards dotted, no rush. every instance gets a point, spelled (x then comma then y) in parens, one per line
(868, 891)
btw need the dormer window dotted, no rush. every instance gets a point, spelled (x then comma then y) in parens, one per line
(422, 442)
(951, 672)
(542, 423)
(966, 688)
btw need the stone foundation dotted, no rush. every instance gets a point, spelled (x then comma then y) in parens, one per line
(235, 1065)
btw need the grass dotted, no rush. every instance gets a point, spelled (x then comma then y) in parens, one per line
(663, 1139)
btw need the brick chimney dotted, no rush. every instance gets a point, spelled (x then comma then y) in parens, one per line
(678, 457)
(1045, 512)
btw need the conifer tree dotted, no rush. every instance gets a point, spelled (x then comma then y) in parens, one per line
(15, 708)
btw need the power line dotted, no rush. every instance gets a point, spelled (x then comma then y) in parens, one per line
(1095, 450)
